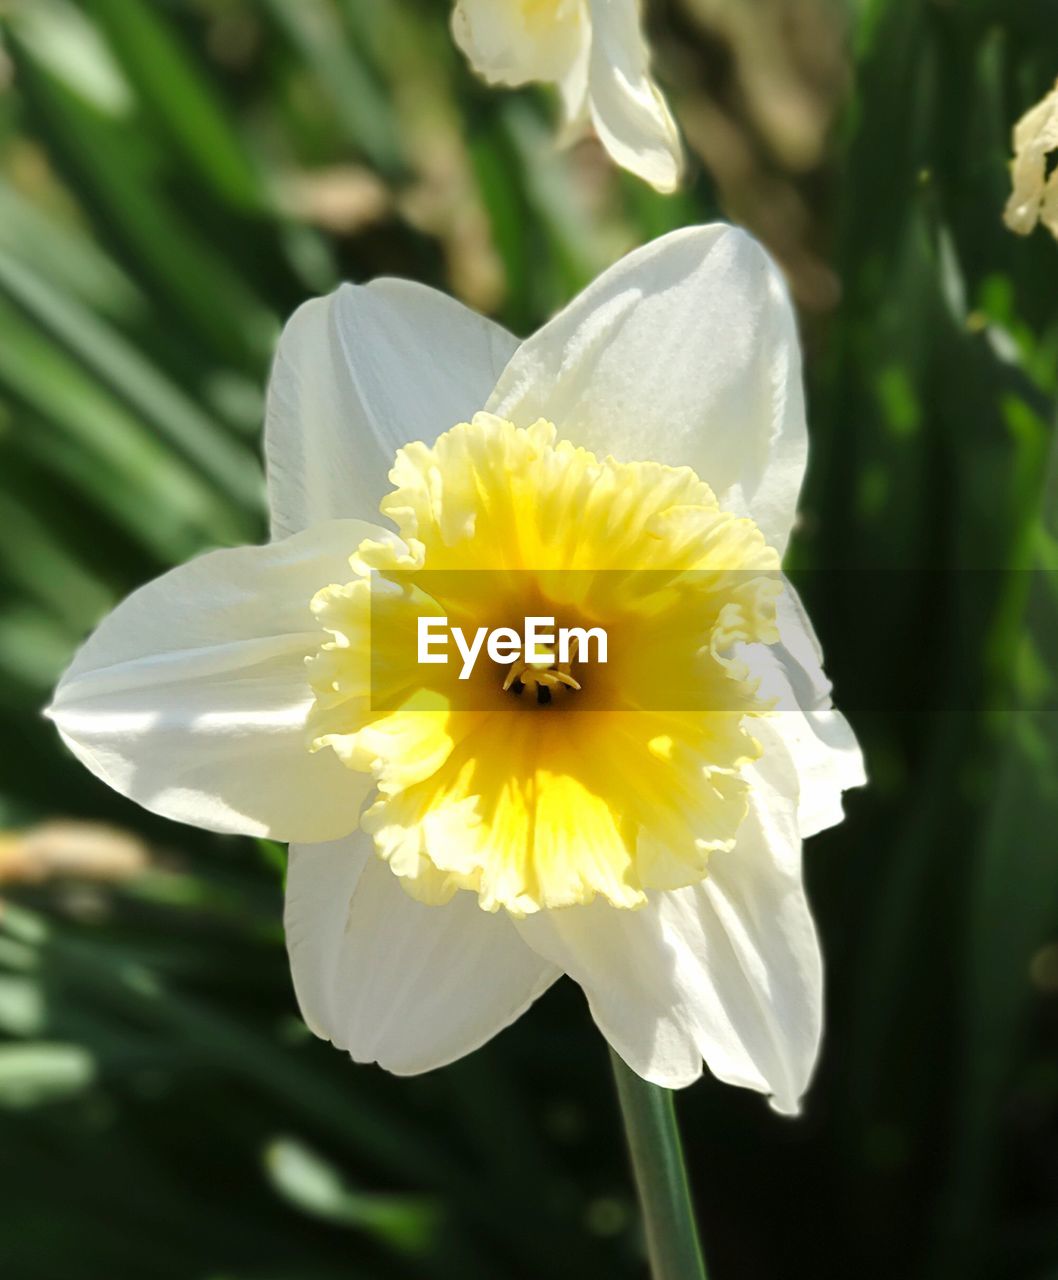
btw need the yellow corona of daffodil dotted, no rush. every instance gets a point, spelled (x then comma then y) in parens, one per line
(597, 55)
(464, 832)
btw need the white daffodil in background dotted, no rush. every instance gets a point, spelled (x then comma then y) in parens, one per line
(597, 55)
(638, 825)
(1034, 197)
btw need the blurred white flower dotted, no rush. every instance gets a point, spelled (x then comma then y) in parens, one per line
(1035, 194)
(597, 55)
(648, 846)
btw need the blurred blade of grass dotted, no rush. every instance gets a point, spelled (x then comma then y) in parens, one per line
(110, 975)
(48, 572)
(409, 1224)
(70, 260)
(33, 650)
(914, 464)
(1012, 911)
(117, 363)
(148, 1000)
(64, 39)
(183, 106)
(40, 1073)
(114, 167)
(317, 31)
(64, 476)
(507, 1141)
(1010, 908)
(578, 250)
(274, 857)
(177, 509)
(111, 992)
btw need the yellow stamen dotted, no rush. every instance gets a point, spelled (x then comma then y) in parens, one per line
(540, 678)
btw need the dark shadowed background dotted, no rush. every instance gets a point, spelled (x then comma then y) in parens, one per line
(175, 177)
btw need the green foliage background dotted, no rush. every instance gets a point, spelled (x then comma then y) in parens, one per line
(175, 176)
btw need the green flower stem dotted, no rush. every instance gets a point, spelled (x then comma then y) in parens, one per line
(661, 1177)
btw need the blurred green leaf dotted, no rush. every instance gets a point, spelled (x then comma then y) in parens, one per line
(38, 1074)
(182, 100)
(316, 1187)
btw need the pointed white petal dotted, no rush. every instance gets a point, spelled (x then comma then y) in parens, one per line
(190, 698)
(573, 92)
(630, 115)
(358, 374)
(686, 352)
(818, 739)
(728, 970)
(390, 980)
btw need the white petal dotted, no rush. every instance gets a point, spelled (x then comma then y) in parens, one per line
(393, 981)
(828, 759)
(358, 374)
(728, 970)
(508, 44)
(629, 113)
(818, 739)
(191, 697)
(686, 352)
(573, 92)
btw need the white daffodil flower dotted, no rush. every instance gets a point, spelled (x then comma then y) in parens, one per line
(596, 53)
(1034, 194)
(636, 825)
